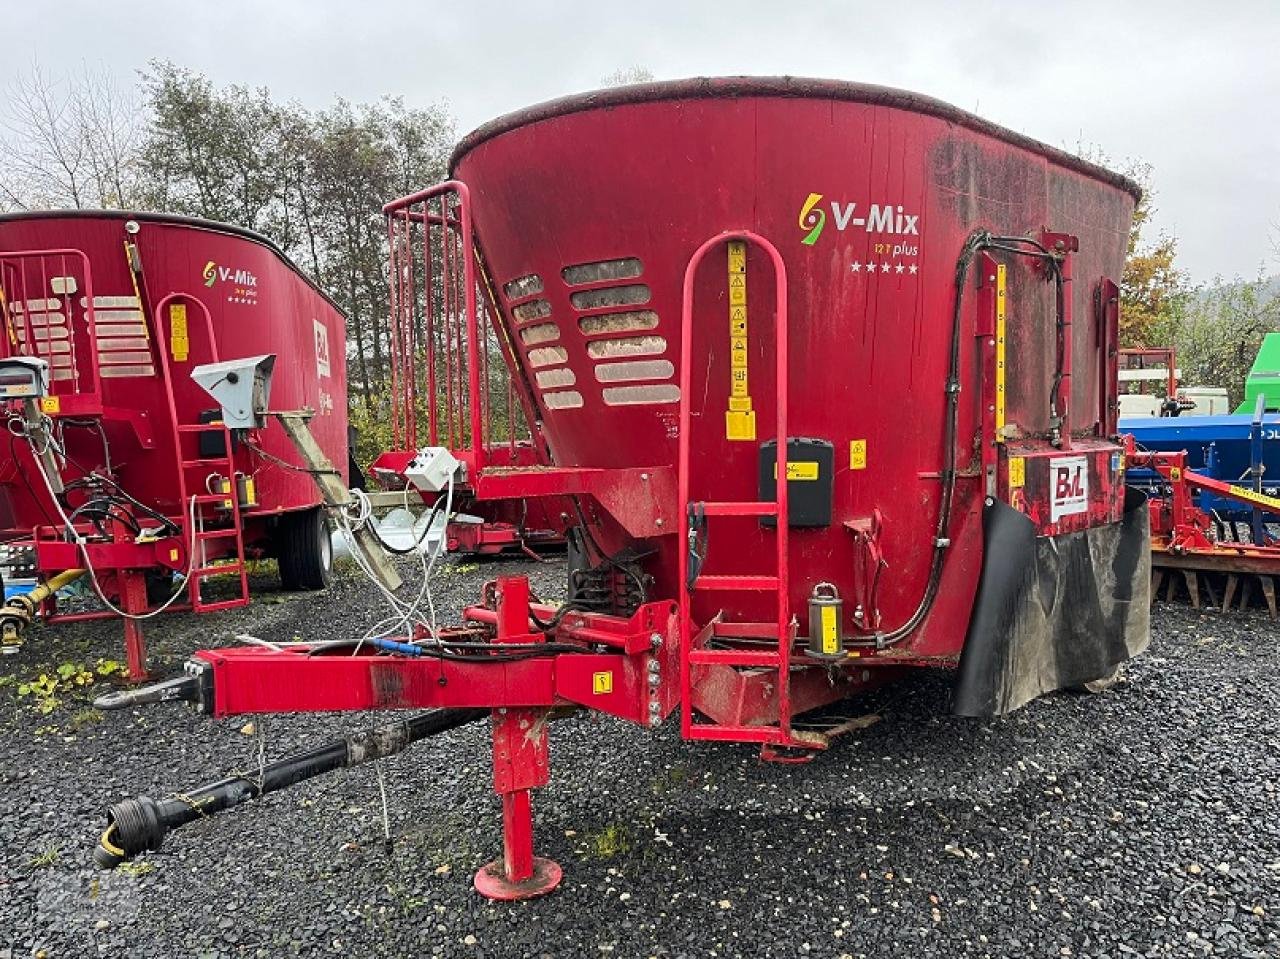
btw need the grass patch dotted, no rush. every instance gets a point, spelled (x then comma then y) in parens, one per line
(612, 840)
(46, 859)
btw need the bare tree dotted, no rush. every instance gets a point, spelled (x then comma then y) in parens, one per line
(69, 142)
(111, 124)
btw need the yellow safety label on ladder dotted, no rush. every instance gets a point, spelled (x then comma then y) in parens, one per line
(179, 343)
(739, 418)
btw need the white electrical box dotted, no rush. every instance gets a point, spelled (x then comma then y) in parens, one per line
(431, 469)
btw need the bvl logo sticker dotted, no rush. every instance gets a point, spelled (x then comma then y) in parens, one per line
(1068, 486)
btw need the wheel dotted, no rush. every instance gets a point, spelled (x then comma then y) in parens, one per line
(304, 550)
(1103, 683)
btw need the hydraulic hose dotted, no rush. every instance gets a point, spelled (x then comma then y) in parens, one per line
(978, 241)
(136, 825)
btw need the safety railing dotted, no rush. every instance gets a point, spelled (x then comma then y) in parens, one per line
(446, 338)
(47, 308)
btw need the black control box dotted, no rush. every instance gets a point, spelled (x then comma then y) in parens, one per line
(810, 470)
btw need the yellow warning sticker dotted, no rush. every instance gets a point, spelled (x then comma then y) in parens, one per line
(1000, 345)
(179, 344)
(739, 418)
(857, 454)
(799, 470)
(1255, 497)
(173, 555)
(1017, 472)
(51, 405)
(830, 631)
(601, 683)
(740, 425)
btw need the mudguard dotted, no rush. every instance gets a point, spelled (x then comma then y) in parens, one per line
(1053, 611)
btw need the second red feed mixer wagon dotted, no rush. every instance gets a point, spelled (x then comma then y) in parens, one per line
(825, 374)
(117, 469)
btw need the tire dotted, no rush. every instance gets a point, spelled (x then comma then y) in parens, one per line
(304, 550)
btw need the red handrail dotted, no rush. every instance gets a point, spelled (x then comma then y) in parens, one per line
(781, 385)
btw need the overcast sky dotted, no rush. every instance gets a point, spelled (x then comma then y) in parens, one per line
(1192, 88)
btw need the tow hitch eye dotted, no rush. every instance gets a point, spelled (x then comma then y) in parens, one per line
(195, 686)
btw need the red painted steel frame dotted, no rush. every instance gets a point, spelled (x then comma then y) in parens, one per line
(1182, 528)
(627, 683)
(519, 766)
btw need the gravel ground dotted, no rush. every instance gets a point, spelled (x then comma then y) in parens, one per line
(1143, 822)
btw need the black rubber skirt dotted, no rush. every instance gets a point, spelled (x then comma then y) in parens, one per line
(1053, 611)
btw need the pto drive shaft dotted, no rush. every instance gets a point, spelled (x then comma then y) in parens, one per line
(139, 824)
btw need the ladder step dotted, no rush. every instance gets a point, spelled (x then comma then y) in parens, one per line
(733, 657)
(734, 630)
(759, 584)
(217, 534)
(740, 734)
(200, 427)
(221, 604)
(202, 571)
(740, 509)
(214, 498)
(215, 461)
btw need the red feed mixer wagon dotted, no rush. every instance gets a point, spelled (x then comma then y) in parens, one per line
(826, 374)
(105, 316)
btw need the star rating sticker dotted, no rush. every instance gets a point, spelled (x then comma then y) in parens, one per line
(855, 266)
(885, 267)
(913, 269)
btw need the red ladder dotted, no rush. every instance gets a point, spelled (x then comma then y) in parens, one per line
(783, 629)
(228, 503)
